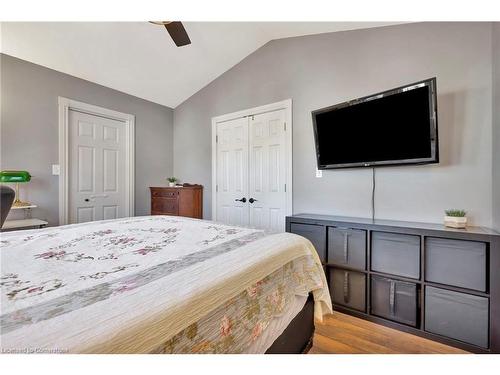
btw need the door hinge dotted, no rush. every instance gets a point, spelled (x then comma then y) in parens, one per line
(216, 139)
(285, 188)
(216, 187)
(284, 125)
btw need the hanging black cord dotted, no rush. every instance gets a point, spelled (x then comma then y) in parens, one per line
(373, 193)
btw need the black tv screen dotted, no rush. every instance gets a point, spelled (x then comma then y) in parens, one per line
(398, 126)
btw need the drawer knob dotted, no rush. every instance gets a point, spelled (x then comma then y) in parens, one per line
(392, 297)
(346, 246)
(346, 287)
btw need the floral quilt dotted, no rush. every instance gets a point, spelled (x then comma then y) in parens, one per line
(240, 324)
(100, 286)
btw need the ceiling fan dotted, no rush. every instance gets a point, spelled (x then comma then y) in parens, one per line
(176, 30)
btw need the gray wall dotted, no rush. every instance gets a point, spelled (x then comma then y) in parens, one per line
(496, 126)
(29, 130)
(321, 70)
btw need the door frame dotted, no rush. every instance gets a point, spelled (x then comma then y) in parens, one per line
(284, 104)
(65, 105)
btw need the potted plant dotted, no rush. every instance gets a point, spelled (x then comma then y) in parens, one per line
(455, 218)
(172, 181)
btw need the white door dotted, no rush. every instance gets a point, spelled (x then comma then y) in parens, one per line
(232, 172)
(267, 171)
(97, 168)
(251, 163)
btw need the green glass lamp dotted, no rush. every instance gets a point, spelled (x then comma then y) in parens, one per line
(16, 177)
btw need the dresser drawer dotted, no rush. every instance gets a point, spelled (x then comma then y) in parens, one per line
(164, 193)
(347, 247)
(314, 233)
(348, 288)
(457, 315)
(456, 262)
(397, 254)
(395, 300)
(164, 206)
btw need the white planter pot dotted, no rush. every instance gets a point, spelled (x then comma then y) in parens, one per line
(171, 184)
(455, 222)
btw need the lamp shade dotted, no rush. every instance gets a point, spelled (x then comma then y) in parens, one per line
(14, 176)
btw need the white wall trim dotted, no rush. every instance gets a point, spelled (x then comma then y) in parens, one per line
(287, 106)
(65, 105)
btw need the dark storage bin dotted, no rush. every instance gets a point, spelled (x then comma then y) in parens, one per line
(457, 315)
(314, 233)
(348, 288)
(456, 262)
(397, 254)
(395, 300)
(347, 247)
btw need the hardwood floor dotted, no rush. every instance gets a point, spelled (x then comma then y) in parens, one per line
(345, 334)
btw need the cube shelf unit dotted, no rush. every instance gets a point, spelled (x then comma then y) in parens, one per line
(425, 279)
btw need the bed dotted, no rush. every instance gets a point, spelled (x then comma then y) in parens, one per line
(158, 284)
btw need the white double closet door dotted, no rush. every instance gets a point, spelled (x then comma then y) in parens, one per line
(97, 168)
(251, 171)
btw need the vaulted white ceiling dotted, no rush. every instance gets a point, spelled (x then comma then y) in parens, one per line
(140, 58)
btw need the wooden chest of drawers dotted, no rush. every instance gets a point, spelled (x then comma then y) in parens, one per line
(178, 201)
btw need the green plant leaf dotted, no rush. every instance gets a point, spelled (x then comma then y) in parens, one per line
(456, 213)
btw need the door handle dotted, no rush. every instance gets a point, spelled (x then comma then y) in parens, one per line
(241, 200)
(251, 200)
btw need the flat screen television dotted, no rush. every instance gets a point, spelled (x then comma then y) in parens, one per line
(394, 127)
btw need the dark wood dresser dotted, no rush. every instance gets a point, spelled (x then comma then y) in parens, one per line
(178, 201)
(432, 281)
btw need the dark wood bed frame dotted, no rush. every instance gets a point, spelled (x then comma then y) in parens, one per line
(297, 337)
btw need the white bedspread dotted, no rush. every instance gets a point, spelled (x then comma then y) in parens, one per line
(125, 285)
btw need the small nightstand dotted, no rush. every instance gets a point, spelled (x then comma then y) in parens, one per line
(26, 223)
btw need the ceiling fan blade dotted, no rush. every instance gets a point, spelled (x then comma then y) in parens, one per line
(178, 33)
